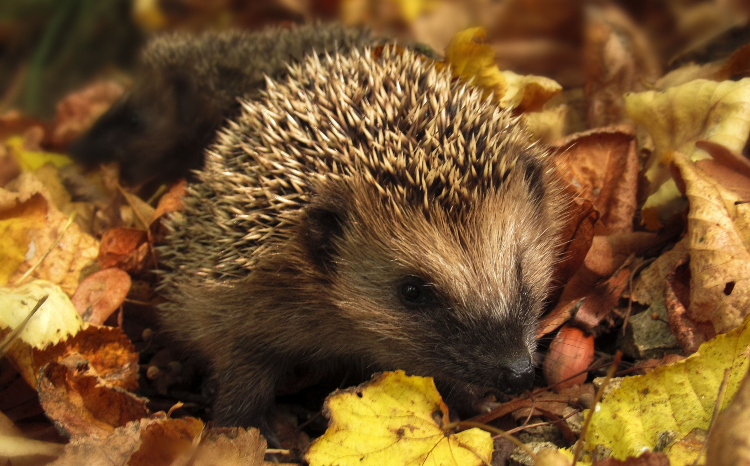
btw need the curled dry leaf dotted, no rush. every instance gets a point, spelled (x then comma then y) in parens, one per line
(154, 441)
(107, 350)
(618, 59)
(472, 59)
(81, 403)
(394, 420)
(576, 237)
(718, 240)
(226, 447)
(571, 351)
(601, 165)
(171, 201)
(124, 248)
(607, 254)
(100, 294)
(679, 117)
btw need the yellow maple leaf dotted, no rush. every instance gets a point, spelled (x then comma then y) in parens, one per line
(394, 420)
(473, 60)
(677, 398)
(678, 117)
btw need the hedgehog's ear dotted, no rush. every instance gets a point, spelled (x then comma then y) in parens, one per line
(324, 224)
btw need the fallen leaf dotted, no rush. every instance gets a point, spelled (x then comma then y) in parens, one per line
(679, 397)
(124, 248)
(601, 165)
(679, 117)
(154, 441)
(107, 350)
(80, 403)
(576, 237)
(100, 294)
(646, 459)
(53, 322)
(473, 60)
(33, 160)
(394, 420)
(606, 255)
(73, 249)
(718, 240)
(17, 219)
(226, 447)
(618, 59)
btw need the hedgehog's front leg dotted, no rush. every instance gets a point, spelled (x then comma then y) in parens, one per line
(247, 385)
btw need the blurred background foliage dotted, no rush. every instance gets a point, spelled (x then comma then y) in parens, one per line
(49, 48)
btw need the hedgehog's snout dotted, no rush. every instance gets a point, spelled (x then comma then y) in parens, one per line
(516, 376)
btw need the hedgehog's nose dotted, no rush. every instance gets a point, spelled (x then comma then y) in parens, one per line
(516, 376)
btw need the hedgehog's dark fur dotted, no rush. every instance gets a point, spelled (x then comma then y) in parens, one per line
(187, 86)
(365, 210)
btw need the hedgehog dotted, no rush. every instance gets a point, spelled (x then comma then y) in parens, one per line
(368, 211)
(187, 86)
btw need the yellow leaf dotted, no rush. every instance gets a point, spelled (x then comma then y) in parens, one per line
(395, 420)
(16, 220)
(62, 263)
(473, 60)
(679, 397)
(678, 117)
(55, 320)
(33, 160)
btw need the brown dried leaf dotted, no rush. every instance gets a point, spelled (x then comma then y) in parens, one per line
(156, 441)
(124, 248)
(81, 403)
(619, 59)
(100, 294)
(171, 201)
(107, 350)
(719, 236)
(229, 446)
(606, 255)
(577, 236)
(602, 166)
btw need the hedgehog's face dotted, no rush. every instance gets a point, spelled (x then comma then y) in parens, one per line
(456, 297)
(154, 120)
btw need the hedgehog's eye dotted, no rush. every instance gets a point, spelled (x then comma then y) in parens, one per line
(414, 291)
